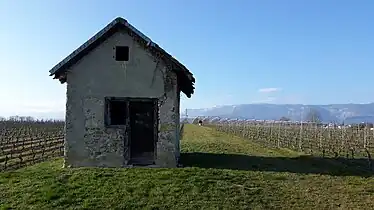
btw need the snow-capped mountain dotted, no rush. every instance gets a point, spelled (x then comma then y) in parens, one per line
(348, 113)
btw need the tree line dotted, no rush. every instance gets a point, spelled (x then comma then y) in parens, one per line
(17, 118)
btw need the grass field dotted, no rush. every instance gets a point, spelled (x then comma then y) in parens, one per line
(221, 172)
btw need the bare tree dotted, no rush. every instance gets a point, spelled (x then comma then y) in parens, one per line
(284, 119)
(313, 116)
(14, 118)
(29, 119)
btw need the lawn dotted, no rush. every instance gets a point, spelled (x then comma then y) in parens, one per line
(220, 172)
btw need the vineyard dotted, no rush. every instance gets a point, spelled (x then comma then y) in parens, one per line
(347, 143)
(27, 142)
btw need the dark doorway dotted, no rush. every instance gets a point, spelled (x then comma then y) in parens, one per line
(143, 133)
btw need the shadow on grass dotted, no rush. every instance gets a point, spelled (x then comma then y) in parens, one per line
(301, 164)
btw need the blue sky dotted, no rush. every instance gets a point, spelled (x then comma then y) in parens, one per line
(240, 51)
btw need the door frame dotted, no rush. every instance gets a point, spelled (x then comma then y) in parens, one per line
(155, 123)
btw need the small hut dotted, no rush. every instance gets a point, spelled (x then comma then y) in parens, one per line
(123, 99)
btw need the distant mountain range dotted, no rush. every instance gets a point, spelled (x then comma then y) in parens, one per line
(347, 113)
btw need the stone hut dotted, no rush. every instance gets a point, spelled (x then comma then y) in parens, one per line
(123, 97)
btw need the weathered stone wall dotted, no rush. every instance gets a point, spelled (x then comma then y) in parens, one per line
(177, 143)
(98, 75)
(168, 112)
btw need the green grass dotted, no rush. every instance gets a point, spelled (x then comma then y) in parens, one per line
(221, 172)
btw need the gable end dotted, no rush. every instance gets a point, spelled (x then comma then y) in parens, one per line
(185, 77)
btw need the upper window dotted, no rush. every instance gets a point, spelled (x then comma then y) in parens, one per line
(122, 53)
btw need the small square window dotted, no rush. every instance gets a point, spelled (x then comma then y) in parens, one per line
(116, 111)
(122, 53)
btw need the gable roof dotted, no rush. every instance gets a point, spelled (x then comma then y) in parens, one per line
(185, 77)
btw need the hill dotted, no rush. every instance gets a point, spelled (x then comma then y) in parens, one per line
(221, 172)
(349, 113)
